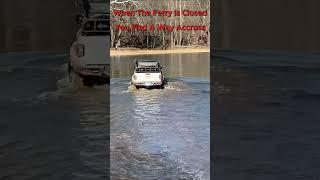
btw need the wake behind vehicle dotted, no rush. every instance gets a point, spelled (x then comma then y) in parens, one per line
(89, 55)
(147, 74)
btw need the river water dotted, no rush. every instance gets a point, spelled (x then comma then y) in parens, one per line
(54, 128)
(266, 115)
(161, 133)
(50, 128)
(266, 119)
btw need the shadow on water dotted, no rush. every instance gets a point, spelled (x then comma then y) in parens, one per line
(161, 133)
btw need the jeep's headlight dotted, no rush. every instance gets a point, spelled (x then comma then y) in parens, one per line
(134, 77)
(79, 50)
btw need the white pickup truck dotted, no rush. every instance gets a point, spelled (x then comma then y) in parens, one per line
(89, 54)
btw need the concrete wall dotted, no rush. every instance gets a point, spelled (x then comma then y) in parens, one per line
(267, 24)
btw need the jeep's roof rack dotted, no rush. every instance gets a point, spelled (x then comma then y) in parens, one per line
(147, 60)
(147, 63)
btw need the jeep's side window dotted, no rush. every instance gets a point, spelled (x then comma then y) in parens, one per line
(101, 25)
(89, 26)
(95, 28)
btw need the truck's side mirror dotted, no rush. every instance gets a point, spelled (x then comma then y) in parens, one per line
(79, 19)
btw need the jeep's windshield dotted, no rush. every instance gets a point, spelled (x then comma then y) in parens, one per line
(93, 7)
(98, 6)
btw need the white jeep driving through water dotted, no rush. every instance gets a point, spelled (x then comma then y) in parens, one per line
(147, 74)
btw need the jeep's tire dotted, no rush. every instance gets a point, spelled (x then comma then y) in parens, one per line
(69, 71)
(87, 82)
(69, 67)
